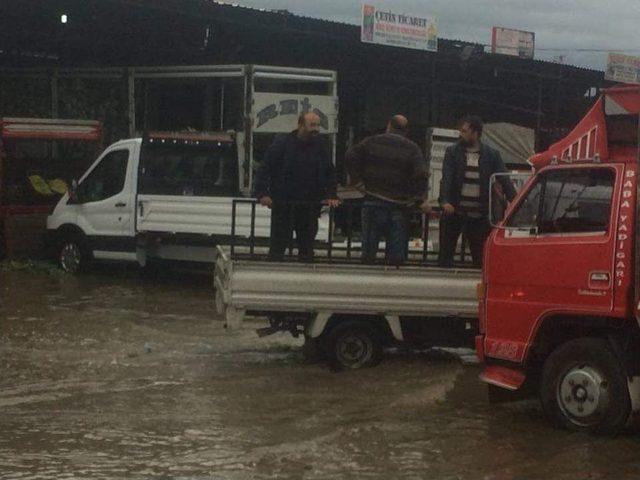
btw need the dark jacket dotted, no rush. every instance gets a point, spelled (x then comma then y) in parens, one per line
(453, 169)
(294, 169)
(388, 166)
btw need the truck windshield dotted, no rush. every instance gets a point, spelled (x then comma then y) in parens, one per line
(567, 201)
(209, 170)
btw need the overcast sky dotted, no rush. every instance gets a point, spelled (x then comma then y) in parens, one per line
(558, 24)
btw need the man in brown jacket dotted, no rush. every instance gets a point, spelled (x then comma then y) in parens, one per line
(392, 173)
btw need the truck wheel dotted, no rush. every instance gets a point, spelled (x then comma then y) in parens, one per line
(73, 253)
(353, 345)
(584, 387)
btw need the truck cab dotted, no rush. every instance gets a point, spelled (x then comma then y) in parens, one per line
(558, 315)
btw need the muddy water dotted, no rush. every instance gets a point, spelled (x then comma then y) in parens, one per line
(109, 375)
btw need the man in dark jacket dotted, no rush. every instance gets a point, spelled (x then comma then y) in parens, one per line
(464, 191)
(392, 173)
(294, 178)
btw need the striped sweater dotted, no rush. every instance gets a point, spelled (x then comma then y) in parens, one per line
(470, 193)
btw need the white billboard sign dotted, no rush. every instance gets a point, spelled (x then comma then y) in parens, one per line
(517, 43)
(279, 112)
(622, 68)
(386, 26)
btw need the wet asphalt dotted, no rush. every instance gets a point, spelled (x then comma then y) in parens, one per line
(114, 375)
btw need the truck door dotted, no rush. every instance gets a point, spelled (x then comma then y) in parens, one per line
(105, 203)
(554, 256)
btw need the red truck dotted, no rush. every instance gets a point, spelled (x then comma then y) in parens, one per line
(559, 311)
(38, 159)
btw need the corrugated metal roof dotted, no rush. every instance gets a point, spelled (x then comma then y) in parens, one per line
(350, 28)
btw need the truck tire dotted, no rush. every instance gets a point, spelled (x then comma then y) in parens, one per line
(352, 345)
(74, 254)
(584, 387)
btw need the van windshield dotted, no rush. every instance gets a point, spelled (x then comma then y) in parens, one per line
(193, 170)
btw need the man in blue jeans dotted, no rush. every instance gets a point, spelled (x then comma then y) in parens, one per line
(392, 173)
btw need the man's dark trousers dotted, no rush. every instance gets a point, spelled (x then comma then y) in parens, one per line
(476, 231)
(287, 217)
(388, 220)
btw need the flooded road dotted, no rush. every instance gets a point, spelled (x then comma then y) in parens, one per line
(109, 375)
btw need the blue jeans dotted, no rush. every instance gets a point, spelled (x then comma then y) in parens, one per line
(384, 219)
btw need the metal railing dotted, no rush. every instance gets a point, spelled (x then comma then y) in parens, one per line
(248, 246)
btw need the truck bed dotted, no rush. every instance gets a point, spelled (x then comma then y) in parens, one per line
(204, 215)
(261, 286)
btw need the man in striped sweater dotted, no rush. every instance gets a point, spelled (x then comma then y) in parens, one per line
(464, 192)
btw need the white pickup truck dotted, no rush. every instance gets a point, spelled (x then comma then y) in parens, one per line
(168, 196)
(348, 311)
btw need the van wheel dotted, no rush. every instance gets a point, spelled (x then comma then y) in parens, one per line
(352, 345)
(73, 254)
(584, 387)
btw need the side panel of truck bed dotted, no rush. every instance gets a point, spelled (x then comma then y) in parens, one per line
(297, 287)
(204, 215)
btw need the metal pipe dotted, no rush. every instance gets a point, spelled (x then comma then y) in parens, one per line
(349, 229)
(425, 237)
(233, 228)
(222, 108)
(132, 102)
(193, 68)
(463, 247)
(330, 239)
(188, 74)
(252, 237)
(292, 207)
(297, 78)
(303, 71)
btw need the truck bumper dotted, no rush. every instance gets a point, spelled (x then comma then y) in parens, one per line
(510, 378)
(503, 377)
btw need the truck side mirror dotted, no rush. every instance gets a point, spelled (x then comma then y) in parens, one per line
(73, 191)
(498, 202)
